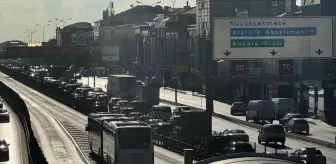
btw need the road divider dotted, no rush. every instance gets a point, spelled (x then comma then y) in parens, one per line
(258, 126)
(18, 106)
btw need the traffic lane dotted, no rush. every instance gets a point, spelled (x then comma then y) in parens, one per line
(316, 131)
(220, 125)
(291, 144)
(54, 142)
(161, 155)
(14, 134)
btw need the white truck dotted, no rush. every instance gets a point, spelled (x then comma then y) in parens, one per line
(122, 85)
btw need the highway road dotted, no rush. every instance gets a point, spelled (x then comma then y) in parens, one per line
(13, 133)
(60, 129)
(220, 124)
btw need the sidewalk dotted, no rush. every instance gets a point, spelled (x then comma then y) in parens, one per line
(318, 129)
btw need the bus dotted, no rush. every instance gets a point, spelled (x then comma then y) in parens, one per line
(127, 142)
(94, 128)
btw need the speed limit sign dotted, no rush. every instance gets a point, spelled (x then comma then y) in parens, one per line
(238, 68)
(285, 67)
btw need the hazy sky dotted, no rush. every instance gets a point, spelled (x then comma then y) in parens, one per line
(18, 15)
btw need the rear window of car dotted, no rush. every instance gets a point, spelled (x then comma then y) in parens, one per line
(300, 122)
(237, 131)
(238, 104)
(274, 129)
(165, 109)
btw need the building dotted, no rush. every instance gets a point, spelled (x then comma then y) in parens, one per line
(318, 8)
(118, 47)
(75, 34)
(164, 43)
(12, 43)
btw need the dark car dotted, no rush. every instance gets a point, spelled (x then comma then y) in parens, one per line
(127, 110)
(140, 106)
(289, 116)
(272, 133)
(297, 125)
(301, 154)
(238, 107)
(4, 115)
(235, 135)
(98, 107)
(4, 150)
(113, 101)
(240, 147)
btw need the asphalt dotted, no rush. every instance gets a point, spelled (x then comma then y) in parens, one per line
(221, 124)
(60, 129)
(13, 133)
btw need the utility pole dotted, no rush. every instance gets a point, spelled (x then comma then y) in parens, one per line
(207, 74)
(174, 53)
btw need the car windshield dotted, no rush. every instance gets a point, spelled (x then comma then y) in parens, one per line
(3, 142)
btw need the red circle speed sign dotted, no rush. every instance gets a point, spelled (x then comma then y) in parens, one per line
(238, 68)
(286, 67)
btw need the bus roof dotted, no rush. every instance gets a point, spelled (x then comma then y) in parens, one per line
(104, 114)
(114, 118)
(121, 75)
(125, 123)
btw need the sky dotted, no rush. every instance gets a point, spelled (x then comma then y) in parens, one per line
(17, 16)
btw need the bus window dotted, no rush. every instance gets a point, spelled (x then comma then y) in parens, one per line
(134, 138)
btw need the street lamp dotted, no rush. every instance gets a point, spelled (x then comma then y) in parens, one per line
(30, 34)
(64, 21)
(149, 5)
(43, 29)
(58, 21)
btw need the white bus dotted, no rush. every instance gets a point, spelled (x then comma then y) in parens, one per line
(127, 142)
(94, 128)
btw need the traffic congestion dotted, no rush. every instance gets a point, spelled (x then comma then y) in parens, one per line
(109, 112)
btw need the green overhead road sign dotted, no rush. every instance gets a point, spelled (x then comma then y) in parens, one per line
(257, 43)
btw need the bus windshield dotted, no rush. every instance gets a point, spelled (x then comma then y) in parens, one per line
(134, 138)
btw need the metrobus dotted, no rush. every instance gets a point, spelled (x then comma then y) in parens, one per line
(127, 142)
(94, 128)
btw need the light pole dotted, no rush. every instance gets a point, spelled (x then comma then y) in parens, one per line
(149, 5)
(43, 29)
(30, 33)
(64, 21)
(58, 21)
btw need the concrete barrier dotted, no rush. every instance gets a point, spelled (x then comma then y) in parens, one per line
(258, 126)
(18, 106)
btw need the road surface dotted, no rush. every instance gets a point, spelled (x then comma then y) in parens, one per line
(220, 124)
(46, 113)
(13, 133)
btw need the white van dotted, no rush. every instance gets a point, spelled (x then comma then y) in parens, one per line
(260, 110)
(283, 106)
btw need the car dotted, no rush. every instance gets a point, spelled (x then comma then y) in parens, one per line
(4, 149)
(272, 133)
(238, 107)
(235, 135)
(301, 154)
(297, 125)
(113, 101)
(289, 116)
(4, 115)
(240, 147)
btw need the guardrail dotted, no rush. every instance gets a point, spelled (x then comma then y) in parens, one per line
(18, 106)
